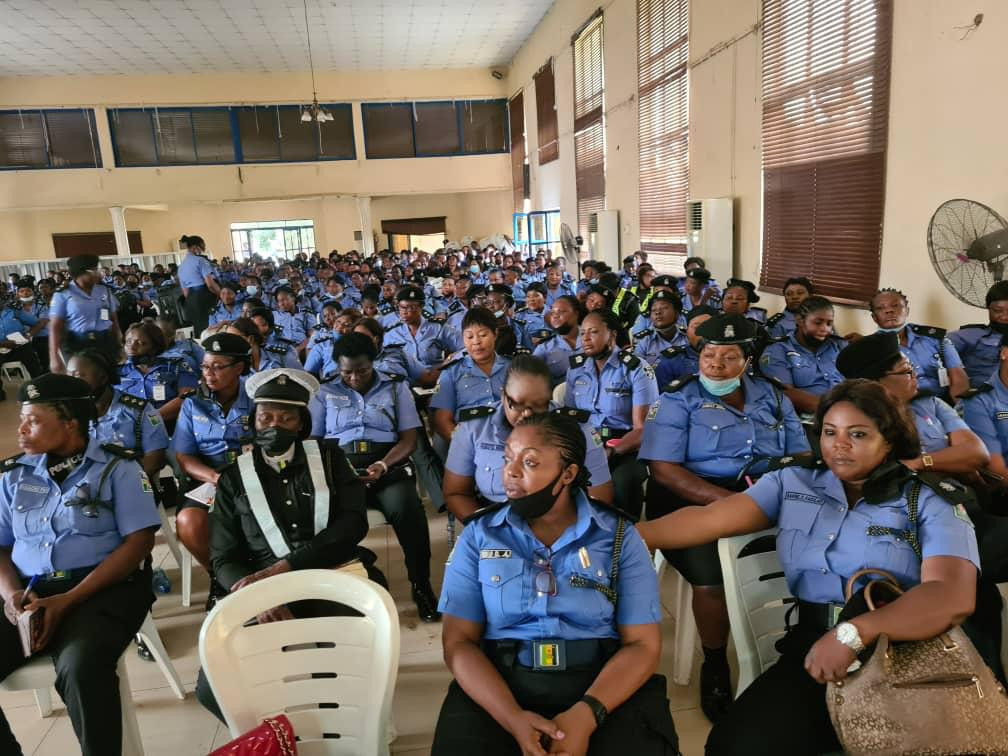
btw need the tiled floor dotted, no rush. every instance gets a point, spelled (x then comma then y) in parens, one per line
(183, 728)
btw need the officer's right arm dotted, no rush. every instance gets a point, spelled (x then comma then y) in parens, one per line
(694, 526)
(57, 327)
(10, 582)
(979, 414)
(187, 450)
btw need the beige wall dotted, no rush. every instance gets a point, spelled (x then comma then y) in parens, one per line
(946, 129)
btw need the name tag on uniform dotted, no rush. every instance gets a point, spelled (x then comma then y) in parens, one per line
(1002, 415)
(103, 313)
(812, 499)
(943, 379)
(159, 392)
(491, 447)
(495, 553)
(711, 405)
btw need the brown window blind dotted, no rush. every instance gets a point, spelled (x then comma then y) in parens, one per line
(546, 117)
(663, 127)
(516, 118)
(589, 137)
(825, 121)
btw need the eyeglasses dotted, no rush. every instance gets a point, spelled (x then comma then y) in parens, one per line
(545, 581)
(521, 409)
(216, 368)
(409, 308)
(909, 372)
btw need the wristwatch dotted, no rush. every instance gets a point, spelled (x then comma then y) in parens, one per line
(598, 709)
(848, 634)
(927, 460)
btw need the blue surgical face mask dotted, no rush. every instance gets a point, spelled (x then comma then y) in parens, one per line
(474, 269)
(892, 330)
(251, 290)
(723, 386)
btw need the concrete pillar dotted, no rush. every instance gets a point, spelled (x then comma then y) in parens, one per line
(367, 232)
(119, 227)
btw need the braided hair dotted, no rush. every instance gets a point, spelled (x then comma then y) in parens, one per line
(566, 436)
(813, 304)
(888, 290)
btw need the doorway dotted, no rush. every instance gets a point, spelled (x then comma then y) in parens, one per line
(277, 240)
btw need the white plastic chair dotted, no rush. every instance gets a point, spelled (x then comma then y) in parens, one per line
(149, 634)
(264, 670)
(560, 394)
(183, 333)
(375, 519)
(758, 598)
(1003, 587)
(15, 371)
(686, 635)
(40, 675)
(178, 551)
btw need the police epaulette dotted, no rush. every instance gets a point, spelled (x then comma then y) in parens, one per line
(580, 415)
(672, 351)
(629, 359)
(949, 489)
(133, 401)
(488, 509)
(544, 334)
(10, 462)
(120, 451)
(385, 309)
(520, 350)
(325, 337)
(776, 382)
(521, 309)
(678, 383)
(806, 460)
(974, 325)
(276, 349)
(983, 388)
(392, 346)
(642, 333)
(519, 321)
(759, 309)
(474, 412)
(775, 319)
(394, 377)
(577, 360)
(933, 331)
(329, 378)
(453, 360)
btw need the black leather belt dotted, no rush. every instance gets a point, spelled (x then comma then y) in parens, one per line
(818, 617)
(588, 652)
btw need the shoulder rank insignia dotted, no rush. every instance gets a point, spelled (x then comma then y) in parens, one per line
(133, 401)
(392, 346)
(394, 377)
(521, 310)
(775, 319)
(973, 325)
(276, 349)
(579, 415)
(577, 360)
(672, 351)
(520, 350)
(120, 451)
(642, 333)
(544, 334)
(629, 359)
(949, 489)
(983, 388)
(474, 412)
(678, 383)
(10, 463)
(933, 331)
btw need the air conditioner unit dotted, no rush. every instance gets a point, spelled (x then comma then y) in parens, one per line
(710, 234)
(603, 237)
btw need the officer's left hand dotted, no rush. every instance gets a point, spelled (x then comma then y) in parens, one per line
(56, 608)
(276, 614)
(578, 724)
(374, 472)
(829, 659)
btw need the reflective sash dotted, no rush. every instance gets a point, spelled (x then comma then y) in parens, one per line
(260, 506)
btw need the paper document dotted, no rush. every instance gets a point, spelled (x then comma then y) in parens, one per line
(203, 494)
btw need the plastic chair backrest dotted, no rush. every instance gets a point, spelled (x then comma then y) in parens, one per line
(758, 598)
(560, 394)
(332, 676)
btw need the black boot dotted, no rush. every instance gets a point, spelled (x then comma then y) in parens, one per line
(142, 651)
(217, 592)
(715, 684)
(426, 601)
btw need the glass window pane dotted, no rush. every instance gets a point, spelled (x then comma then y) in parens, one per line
(22, 142)
(258, 134)
(436, 128)
(337, 134)
(485, 126)
(298, 140)
(73, 141)
(173, 135)
(388, 130)
(133, 137)
(214, 141)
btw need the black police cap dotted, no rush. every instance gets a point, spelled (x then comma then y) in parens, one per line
(499, 288)
(227, 345)
(410, 294)
(664, 295)
(870, 356)
(53, 387)
(664, 280)
(701, 310)
(749, 286)
(725, 330)
(700, 274)
(79, 263)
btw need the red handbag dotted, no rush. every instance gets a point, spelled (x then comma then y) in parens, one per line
(274, 737)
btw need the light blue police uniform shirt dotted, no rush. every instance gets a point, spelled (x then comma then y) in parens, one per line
(162, 383)
(394, 360)
(82, 312)
(556, 352)
(322, 333)
(477, 451)
(822, 541)
(979, 347)
(121, 421)
(782, 324)
(342, 413)
(222, 314)
(15, 321)
(203, 428)
(675, 367)
(650, 345)
(193, 270)
(986, 414)
(45, 535)
(711, 439)
(531, 321)
(612, 394)
(189, 351)
(426, 346)
(464, 385)
(923, 351)
(935, 420)
(490, 579)
(319, 361)
(796, 365)
(279, 353)
(293, 326)
(41, 312)
(552, 295)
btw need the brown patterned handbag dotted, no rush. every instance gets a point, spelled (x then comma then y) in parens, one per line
(933, 696)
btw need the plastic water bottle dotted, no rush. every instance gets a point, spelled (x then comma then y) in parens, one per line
(160, 581)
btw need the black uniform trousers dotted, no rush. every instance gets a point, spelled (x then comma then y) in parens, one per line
(628, 476)
(642, 726)
(85, 650)
(198, 306)
(398, 501)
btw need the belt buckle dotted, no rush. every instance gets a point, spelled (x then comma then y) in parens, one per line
(362, 446)
(92, 335)
(549, 654)
(834, 614)
(50, 577)
(605, 433)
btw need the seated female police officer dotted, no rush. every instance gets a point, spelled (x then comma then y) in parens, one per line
(209, 433)
(78, 517)
(473, 477)
(699, 439)
(551, 617)
(845, 512)
(287, 504)
(472, 379)
(617, 388)
(147, 374)
(373, 419)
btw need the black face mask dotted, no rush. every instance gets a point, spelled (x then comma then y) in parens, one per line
(275, 441)
(143, 359)
(564, 329)
(604, 354)
(537, 503)
(1001, 328)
